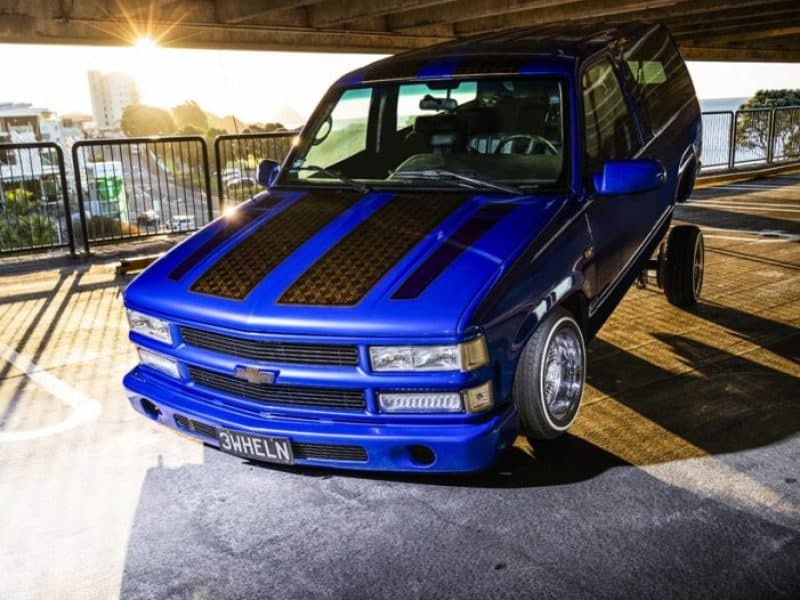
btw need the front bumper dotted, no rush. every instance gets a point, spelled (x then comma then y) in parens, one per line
(461, 447)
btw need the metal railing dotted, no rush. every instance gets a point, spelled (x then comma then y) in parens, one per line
(750, 137)
(130, 188)
(139, 187)
(35, 212)
(236, 159)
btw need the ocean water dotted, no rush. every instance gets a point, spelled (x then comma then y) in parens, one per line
(715, 104)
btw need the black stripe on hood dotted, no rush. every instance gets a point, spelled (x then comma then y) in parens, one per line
(469, 233)
(239, 271)
(349, 270)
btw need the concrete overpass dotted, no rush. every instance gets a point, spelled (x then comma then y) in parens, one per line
(729, 30)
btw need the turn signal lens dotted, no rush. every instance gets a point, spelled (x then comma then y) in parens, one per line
(479, 399)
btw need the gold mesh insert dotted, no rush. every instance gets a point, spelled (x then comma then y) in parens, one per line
(237, 273)
(344, 275)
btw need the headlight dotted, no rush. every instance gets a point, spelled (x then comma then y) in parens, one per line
(474, 400)
(159, 362)
(151, 327)
(456, 357)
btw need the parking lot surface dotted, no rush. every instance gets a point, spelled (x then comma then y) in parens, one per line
(681, 475)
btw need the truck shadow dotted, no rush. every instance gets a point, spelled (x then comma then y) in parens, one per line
(567, 460)
(720, 402)
(230, 528)
(713, 216)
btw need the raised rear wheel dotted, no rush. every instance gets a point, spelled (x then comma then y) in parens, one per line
(551, 371)
(682, 271)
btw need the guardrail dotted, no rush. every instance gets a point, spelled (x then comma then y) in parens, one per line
(132, 188)
(140, 187)
(236, 157)
(35, 211)
(750, 137)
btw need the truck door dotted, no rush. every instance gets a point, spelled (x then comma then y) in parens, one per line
(619, 224)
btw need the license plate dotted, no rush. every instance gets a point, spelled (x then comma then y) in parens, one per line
(266, 449)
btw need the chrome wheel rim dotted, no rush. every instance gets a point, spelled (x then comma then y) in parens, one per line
(562, 381)
(697, 266)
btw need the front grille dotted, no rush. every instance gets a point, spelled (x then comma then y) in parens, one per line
(196, 426)
(329, 452)
(279, 394)
(275, 352)
(299, 449)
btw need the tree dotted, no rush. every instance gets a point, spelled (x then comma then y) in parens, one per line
(25, 226)
(190, 130)
(264, 127)
(189, 114)
(139, 120)
(752, 128)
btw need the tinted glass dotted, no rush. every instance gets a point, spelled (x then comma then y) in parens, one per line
(509, 131)
(610, 130)
(663, 81)
(344, 133)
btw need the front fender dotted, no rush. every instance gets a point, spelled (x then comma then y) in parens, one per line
(540, 279)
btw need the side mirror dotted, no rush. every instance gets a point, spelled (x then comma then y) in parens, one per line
(629, 177)
(267, 172)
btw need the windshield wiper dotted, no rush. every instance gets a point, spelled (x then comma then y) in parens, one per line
(474, 181)
(356, 185)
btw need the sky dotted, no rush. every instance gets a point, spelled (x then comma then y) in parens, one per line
(255, 86)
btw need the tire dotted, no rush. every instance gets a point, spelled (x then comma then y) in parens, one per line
(684, 262)
(543, 415)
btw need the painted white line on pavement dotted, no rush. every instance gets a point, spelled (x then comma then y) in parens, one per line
(83, 408)
(756, 240)
(787, 204)
(747, 207)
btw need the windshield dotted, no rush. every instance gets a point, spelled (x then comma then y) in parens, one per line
(504, 134)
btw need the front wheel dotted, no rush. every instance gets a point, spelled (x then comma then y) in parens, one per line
(551, 371)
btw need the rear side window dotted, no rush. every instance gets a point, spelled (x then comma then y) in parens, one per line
(661, 76)
(610, 130)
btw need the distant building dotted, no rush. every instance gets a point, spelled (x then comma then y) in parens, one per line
(111, 93)
(23, 118)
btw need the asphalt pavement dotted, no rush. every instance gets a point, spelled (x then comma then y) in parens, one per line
(681, 477)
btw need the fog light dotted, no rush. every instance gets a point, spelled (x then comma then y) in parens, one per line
(420, 402)
(159, 362)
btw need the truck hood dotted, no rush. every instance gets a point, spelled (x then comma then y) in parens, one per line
(332, 262)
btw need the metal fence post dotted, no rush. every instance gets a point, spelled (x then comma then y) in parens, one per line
(732, 142)
(218, 165)
(207, 179)
(62, 172)
(76, 170)
(771, 137)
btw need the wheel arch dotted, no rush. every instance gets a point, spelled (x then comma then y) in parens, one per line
(687, 174)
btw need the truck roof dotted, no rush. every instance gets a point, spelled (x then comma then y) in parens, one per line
(525, 49)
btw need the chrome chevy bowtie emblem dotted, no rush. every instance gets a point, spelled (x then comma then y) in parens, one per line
(254, 375)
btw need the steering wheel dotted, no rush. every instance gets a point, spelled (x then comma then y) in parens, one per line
(533, 139)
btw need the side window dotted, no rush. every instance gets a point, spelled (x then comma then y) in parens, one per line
(346, 132)
(610, 130)
(663, 80)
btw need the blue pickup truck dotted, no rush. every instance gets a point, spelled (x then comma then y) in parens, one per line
(417, 282)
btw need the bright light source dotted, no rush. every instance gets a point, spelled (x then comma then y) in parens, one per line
(145, 43)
